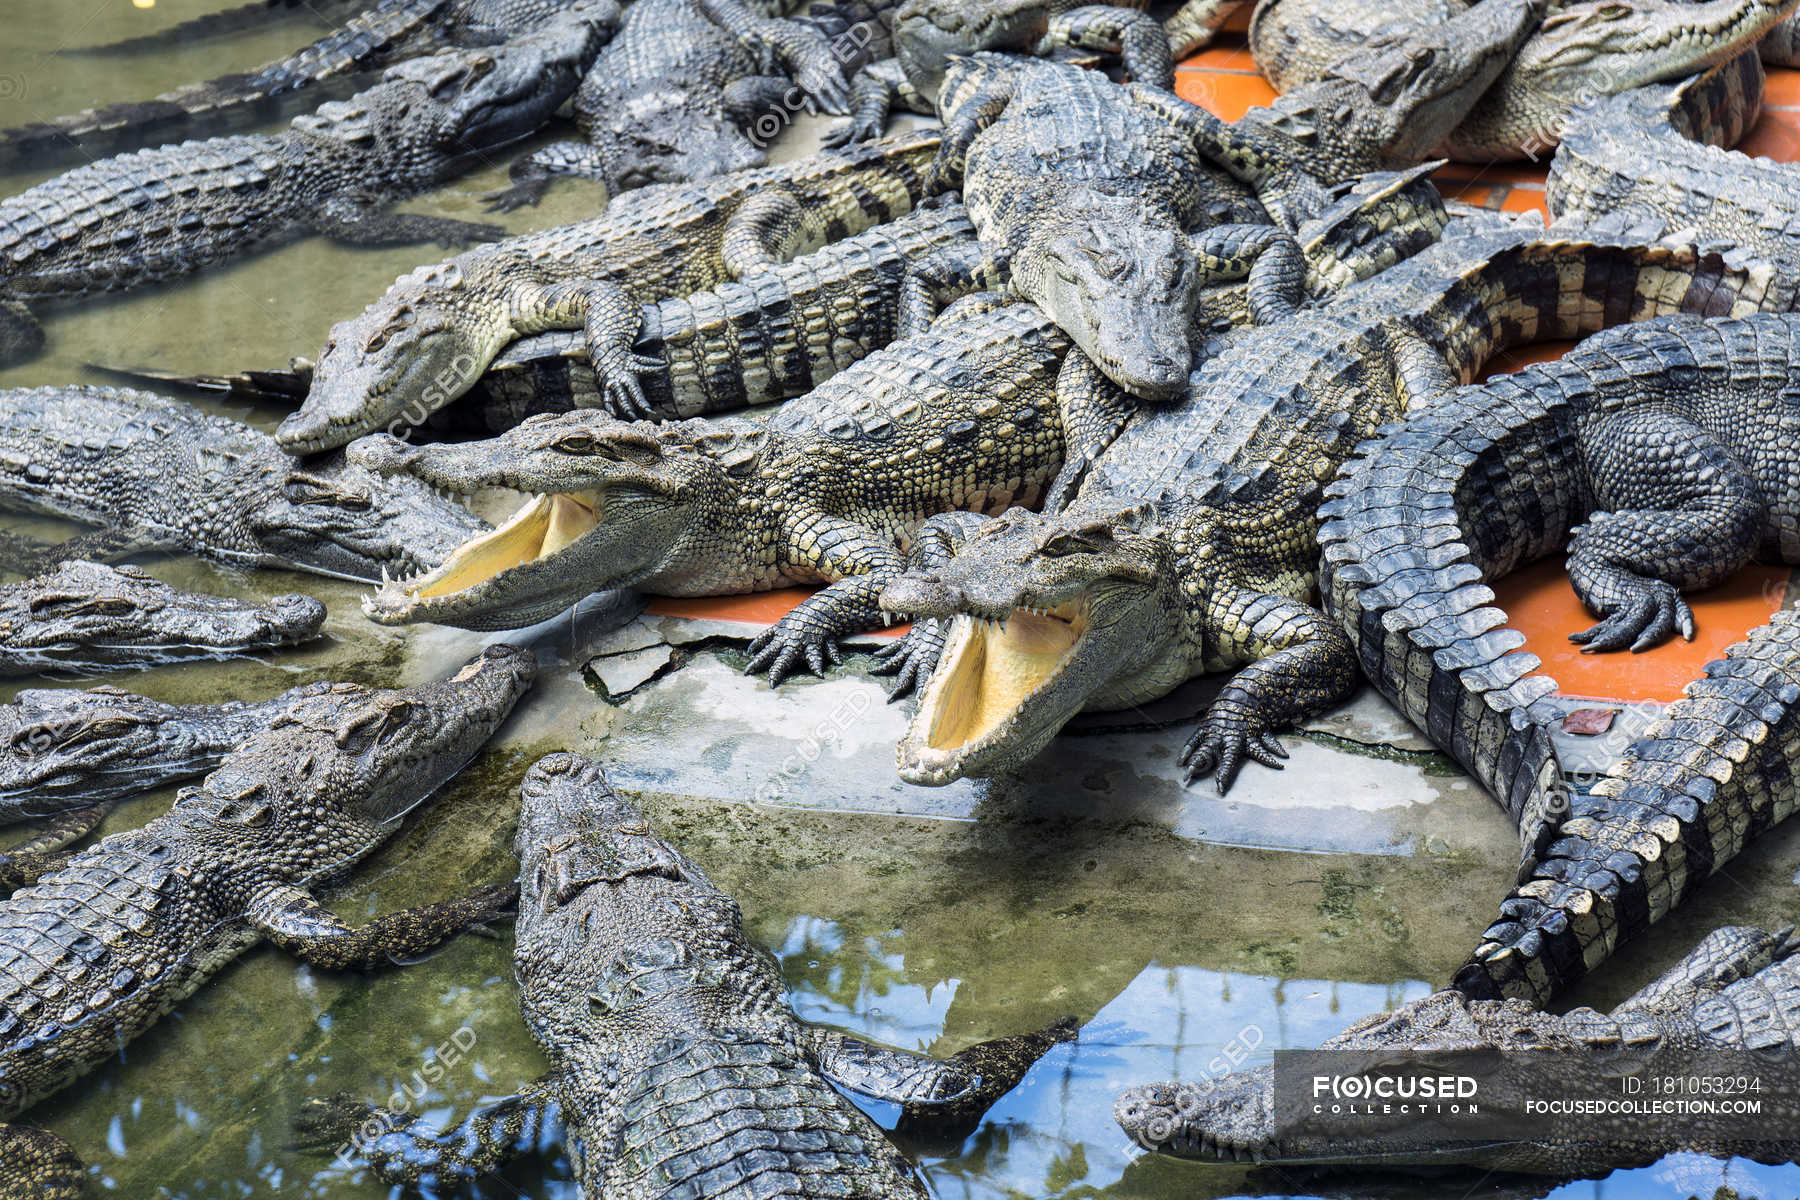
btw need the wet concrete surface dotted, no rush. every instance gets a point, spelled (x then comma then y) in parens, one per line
(1177, 925)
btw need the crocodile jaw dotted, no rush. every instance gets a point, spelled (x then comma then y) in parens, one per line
(999, 694)
(481, 568)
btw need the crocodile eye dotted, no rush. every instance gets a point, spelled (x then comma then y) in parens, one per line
(1062, 545)
(311, 490)
(357, 735)
(34, 740)
(89, 731)
(576, 443)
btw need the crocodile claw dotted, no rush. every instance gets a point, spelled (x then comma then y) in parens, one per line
(525, 193)
(1228, 734)
(912, 659)
(624, 395)
(783, 649)
(454, 235)
(845, 133)
(1645, 621)
(822, 81)
(330, 1121)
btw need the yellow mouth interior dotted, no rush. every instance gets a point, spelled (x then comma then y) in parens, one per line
(539, 529)
(990, 669)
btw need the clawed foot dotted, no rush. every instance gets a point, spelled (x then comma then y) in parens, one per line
(787, 647)
(819, 76)
(330, 1122)
(912, 659)
(524, 193)
(490, 903)
(458, 234)
(1645, 620)
(845, 133)
(622, 394)
(1228, 734)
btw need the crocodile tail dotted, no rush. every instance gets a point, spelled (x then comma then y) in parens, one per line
(368, 40)
(1407, 548)
(1403, 568)
(1714, 771)
(363, 43)
(253, 15)
(289, 384)
(1719, 105)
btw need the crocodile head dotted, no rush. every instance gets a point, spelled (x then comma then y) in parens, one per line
(1237, 1118)
(666, 132)
(339, 519)
(1124, 291)
(1423, 82)
(395, 363)
(475, 98)
(1610, 46)
(928, 32)
(84, 615)
(1048, 615)
(611, 915)
(59, 742)
(612, 503)
(356, 762)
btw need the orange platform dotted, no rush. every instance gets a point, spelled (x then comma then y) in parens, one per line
(1223, 79)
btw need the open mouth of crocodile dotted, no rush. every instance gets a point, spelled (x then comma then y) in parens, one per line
(543, 527)
(980, 701)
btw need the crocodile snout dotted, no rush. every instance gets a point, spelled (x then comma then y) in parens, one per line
(922, 594)
(382, 453)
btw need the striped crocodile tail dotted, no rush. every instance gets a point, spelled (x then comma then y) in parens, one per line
(1715, 770)
(1719, 105)
(1482, 482)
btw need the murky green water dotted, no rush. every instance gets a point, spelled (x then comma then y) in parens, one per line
(1176, 926)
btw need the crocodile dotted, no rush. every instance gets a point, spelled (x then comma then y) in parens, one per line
(1192, 548)
(153, 215)
(363, 42)
(1088, 203)
(1600, 47)
(1639, 161)
(927, 33)
(676, 96)
(1387, 106)
(772, 335)
(780, 331)
(66, 748)
(427, 341)
(68, 753)
(966, 416)
(157, 474)
(84, 617)
(1735, 993)
(678, 1068)
(1662, 445)
(97, 952)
